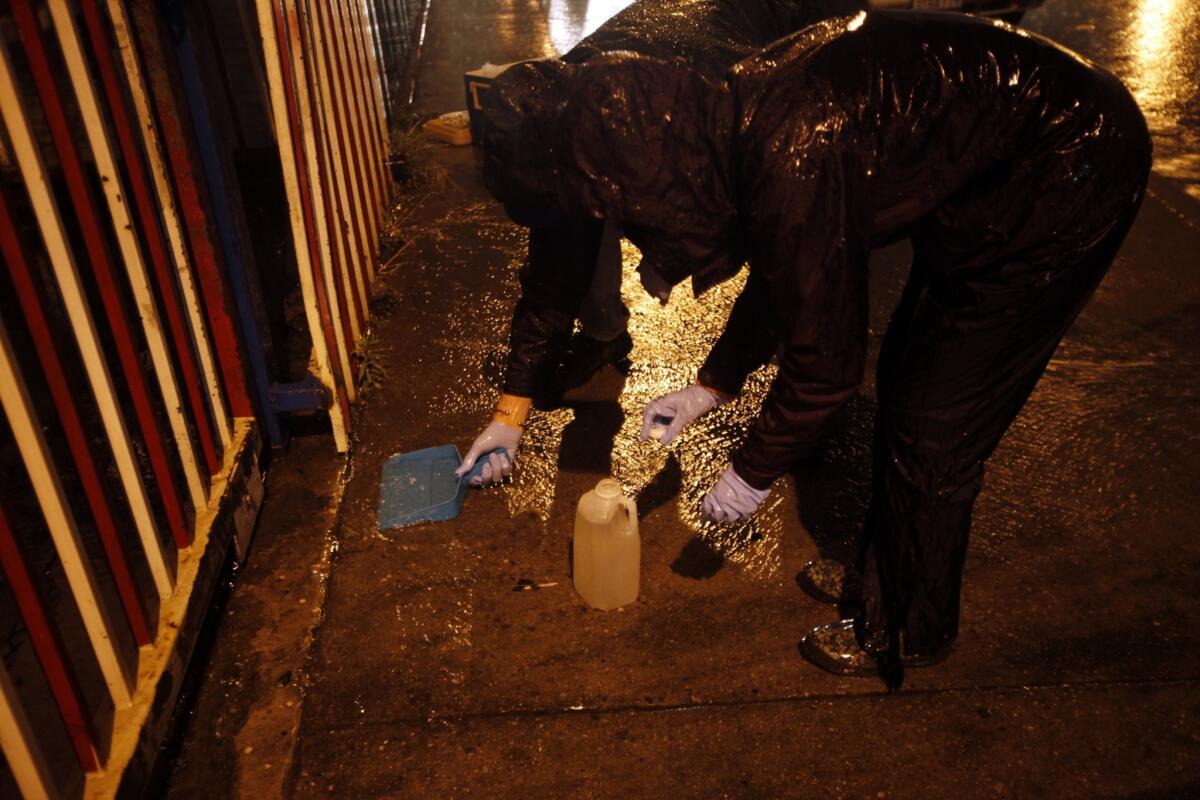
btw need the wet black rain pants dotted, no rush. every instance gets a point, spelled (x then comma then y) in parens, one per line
(978, 322)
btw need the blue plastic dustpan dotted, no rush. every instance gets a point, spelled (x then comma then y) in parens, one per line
(421, 487)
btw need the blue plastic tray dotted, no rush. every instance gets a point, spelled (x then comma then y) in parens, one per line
(421, 486)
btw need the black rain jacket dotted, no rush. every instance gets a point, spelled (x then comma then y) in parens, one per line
(707, 37)
(850, 133)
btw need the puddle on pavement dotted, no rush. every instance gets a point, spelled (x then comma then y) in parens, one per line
(1152, 46)
(1076, 400)
(669, 345)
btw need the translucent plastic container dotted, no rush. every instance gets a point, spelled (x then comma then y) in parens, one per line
(607, 548)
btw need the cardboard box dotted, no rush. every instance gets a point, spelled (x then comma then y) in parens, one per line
(452, 128)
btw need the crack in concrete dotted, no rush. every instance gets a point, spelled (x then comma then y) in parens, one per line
(650, 708)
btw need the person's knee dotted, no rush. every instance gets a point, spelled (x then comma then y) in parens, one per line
(927, 460)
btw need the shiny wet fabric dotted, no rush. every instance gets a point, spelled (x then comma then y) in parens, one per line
(958, 362)
(709, 37)
(1015, 167)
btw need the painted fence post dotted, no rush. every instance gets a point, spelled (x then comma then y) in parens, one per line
(226, 227)
(101, 265)
(37, 184)
(21, 748)
(173, 219)
(50, 651)
(97, 619)
(77, 438)
(192, 191)
(285, 115)
(148, 215)
(115, 193)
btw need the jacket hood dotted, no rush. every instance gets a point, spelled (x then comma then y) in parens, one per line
(520, 113)
(646, 143)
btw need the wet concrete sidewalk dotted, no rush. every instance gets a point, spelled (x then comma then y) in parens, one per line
(354, 662)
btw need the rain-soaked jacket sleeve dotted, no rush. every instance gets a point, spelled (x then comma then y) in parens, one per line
(814, 268)
(748, 341)
(555, 278)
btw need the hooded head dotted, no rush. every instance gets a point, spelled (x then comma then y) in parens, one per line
(519, 113)
(646, 144)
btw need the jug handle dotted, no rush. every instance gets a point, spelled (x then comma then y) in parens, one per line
(630, 512)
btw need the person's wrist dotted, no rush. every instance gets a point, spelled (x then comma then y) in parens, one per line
(722, 397)
(748, 476)
(740, 482)
(512, 410)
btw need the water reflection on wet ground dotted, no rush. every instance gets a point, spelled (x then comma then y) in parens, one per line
(598, 435)
(569, 21)
(429, 676)
(670, 343)
(1154, 47)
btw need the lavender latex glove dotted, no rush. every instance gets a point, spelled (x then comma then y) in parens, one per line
(665, 417)
(496, 435)
(731, 499)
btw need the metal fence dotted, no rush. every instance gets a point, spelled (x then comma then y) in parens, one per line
(398, 29)
(172, 175)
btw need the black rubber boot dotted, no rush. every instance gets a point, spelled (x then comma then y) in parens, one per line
(832, 582)
(834, 648)
(587, 356)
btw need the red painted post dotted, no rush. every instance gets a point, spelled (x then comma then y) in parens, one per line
(309, 221)
(191, 189)
(49, 649)
(101, 264)
(77, 440)
(337, 125)
(154, 238)
(346, 305)
(351, 161)
(375, 152)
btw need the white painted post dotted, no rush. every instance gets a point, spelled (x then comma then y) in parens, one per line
(37, 183)
(174, 225)
(21, 748)
(375, 151)
(378, 113)
(300, 58)
(339, 140)
(115, 193)
(291, 181)
(369, 161)
(334, 177)
(27, 430)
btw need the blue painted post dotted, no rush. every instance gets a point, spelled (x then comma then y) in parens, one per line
(227, 230)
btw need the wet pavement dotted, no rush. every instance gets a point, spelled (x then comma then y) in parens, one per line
(1154, 47)
(362, 663)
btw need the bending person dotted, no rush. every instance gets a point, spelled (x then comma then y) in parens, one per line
(1015, 167)
(573, 266)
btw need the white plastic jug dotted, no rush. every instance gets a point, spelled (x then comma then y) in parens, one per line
(607, 550)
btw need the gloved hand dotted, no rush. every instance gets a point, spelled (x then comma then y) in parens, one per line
(677, 410)
(499, 466)
(731, 499)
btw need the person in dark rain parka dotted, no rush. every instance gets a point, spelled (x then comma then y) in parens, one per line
(572, 270)
(1014, 166)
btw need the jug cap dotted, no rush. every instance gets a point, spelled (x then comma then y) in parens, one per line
(608, 489)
